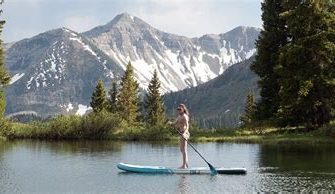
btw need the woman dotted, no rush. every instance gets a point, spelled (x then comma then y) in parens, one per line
(181, 124)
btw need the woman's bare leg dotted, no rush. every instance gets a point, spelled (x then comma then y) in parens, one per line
(183, 149)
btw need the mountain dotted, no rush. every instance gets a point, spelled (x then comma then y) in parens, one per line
(181, 62)
(55, 72)
(218, 102)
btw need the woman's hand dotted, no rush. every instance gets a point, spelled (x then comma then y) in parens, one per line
(186, 135)
(170, 122)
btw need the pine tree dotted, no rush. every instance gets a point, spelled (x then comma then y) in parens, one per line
(155, 114)
(98, 102)
(112, 100)
(250, 109)
(128, 97)
(271, 39)
(4, 76)
(307, 73)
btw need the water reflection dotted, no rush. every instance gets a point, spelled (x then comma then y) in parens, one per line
(6, 183)
(67, 147)
(297, 168)
(305, 158)
(90, 167)
(184, 185)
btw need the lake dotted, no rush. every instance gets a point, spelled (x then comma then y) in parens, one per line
(90, 167)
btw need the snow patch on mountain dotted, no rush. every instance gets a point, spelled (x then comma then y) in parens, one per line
(82, 109)
(85, 46)
(50, 70)
(251, 53)
(69, 107)
(16, 77)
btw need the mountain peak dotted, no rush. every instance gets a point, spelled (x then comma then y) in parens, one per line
(121, 21)
(244, 29)
(125, 17)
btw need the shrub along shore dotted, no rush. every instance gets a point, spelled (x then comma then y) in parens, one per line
(109, 126)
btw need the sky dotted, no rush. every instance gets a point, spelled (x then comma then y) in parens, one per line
(191, 18)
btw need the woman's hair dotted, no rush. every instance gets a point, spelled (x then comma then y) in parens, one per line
(185, 109)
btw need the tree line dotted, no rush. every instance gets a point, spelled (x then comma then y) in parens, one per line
(296, 64)
(124, 100)
(4, 77)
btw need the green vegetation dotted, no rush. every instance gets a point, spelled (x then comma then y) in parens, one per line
(128, 102)
(295, 62)
(155, 113)
(269, 135)
(4, 79)
(117, 117)
(109, 126)
(271, 39)
(112, 100)
(4, 76)
(250, 108)
(99, 99)
(100, 125)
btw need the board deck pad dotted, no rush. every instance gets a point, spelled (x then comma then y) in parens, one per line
(167, 170)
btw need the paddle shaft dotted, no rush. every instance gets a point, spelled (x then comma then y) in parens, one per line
(194, 148)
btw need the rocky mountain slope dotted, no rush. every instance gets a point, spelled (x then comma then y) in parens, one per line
(55, 72)
(181, 62)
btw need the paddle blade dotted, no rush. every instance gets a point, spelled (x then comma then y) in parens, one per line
(213, 170)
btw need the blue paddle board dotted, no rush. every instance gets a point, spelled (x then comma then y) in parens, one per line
(167, 170)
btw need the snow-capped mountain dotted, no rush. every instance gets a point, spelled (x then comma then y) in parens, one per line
(56, 71)
(180, 61)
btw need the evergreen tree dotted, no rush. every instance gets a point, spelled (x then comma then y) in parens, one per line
(271, 39)
(250, 109)
(98, 102)
(155, 114)
(128, 97)
(4, 76)
(112, 100)
(307, 73)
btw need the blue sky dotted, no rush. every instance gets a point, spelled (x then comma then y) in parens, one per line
(191, 18)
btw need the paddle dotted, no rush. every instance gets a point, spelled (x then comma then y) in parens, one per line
(211, 167)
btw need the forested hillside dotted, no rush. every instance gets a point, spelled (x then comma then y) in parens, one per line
(219, 102)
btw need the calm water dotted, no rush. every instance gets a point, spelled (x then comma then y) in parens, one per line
(90, 167)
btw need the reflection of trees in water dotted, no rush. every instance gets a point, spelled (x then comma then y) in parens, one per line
(298, 157)
(65, 147)
(73, 147)
(296, 168)
(6, 183)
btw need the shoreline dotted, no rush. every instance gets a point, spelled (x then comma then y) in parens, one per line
(248, 139)
(252, 135)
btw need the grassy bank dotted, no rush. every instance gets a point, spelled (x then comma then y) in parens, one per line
(98, 126)
(109, 126)
(271, 136)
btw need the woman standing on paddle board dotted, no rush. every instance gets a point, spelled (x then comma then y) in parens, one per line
(182, 125)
